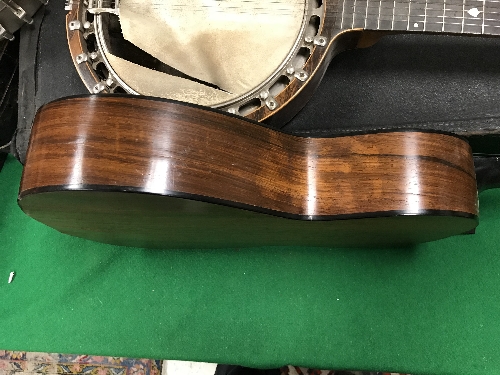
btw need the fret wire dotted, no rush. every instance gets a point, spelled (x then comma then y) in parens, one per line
(379, 10)
(404, 13)
(409, 12)
(450, 23)
(353, 12)
(423, 2)
(428, 6)
(447, 17)
(366, 12)
(357, 11)
(385, 7)
(389, 18)
(342, 15)
(444, 14)
(393, 10)
(401, 16)
(482, 27)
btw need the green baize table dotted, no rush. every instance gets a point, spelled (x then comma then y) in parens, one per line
(431, 309)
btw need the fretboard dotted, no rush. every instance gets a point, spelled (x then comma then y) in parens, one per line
(447, 16)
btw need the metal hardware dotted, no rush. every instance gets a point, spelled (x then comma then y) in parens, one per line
(95, 7)
(10, 8)
(301, 75)
(320, 41)
(17, 10)
(75, 25)
(264, 94)
(271, 103)
(82, 57)
(99, 88)
(4, 34)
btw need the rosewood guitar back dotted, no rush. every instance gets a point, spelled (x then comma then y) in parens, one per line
(157, 173)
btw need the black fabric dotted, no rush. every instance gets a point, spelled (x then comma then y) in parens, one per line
(240, 370)
(436, 82)
(28, 51)
(46, 71)
(487, 172)
(404, 81)
(9, 52)
(3, 157)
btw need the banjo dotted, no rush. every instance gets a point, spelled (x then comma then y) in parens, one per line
(248, 57)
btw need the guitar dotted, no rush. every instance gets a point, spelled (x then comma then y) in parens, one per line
(158, 173)
(267, 75)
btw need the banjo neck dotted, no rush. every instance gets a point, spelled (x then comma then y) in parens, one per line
(433, 16)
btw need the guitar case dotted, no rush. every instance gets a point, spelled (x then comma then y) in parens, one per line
(438, 82)
(9, 52)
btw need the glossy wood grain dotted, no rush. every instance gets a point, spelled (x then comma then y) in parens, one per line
(130, 145)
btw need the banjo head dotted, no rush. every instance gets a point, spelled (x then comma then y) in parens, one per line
(244, 57)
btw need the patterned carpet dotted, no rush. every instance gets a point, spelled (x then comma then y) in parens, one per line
(27, 363)
(14, 363)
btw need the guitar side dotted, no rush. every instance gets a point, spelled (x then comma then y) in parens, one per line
(157, 173)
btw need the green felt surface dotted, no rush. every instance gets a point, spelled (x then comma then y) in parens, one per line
(433, 309)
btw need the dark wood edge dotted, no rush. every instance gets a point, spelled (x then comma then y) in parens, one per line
(237, 205)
